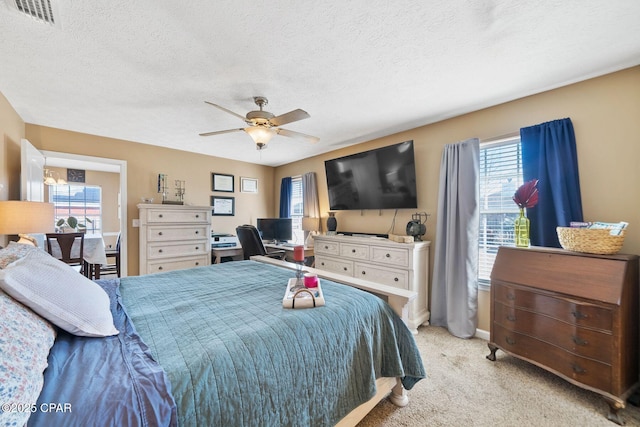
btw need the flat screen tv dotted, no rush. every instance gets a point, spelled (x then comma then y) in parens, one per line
(275, 229)
(383, 178)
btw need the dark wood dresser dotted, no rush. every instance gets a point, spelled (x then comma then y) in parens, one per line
(575, 315)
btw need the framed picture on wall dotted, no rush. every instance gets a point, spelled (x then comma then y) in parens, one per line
(221, 182)
(248, 185)
(75, 175)
(223, 205)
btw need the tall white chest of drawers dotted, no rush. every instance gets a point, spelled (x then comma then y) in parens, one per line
(402, 265)
(173, 237)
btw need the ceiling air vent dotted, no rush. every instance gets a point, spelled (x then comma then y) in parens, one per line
(40, 10)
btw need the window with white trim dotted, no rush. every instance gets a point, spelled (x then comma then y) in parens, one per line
(500, 176)
(84, 202)
(297, 203)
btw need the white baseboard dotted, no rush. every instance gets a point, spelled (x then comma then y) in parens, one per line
(482, 334)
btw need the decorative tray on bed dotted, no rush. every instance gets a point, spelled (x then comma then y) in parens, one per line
(302, 297)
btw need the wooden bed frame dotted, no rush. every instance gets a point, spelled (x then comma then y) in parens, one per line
(399, 300)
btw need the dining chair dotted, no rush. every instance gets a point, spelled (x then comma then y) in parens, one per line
(65, 242)
(251, 243)
(112, 253)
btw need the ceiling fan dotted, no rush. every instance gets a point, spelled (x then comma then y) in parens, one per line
(263, 125)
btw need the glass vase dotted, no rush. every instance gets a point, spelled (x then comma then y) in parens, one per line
(521, 232)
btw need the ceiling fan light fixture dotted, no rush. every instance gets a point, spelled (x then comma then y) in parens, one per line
(261, 135)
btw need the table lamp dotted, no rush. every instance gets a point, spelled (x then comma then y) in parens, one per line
(310, 225)
(22, 218)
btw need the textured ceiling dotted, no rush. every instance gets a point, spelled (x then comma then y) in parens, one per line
(141, 70)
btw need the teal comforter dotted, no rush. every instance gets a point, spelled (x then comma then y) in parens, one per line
(235, 357)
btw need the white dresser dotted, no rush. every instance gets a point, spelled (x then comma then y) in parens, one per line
(402, 265)
(173, 237)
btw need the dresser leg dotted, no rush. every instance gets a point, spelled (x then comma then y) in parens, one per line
(492, 356)
(613, 414)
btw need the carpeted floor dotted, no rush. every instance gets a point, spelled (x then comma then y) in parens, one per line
(463, 388)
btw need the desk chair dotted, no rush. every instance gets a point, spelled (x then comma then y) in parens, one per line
(252, 243)
(112, 253)
(65, 242)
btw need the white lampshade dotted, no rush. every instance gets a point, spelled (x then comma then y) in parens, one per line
(310, 223)
(261, 135)
(21, 217)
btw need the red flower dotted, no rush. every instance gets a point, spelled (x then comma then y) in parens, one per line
(527, 195)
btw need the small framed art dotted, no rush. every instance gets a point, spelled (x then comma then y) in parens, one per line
(248, 185)
(75, 175)
(221, 182)
(223, 205)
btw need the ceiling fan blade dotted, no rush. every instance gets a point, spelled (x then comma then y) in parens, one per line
(298, 135)
(218, 132)
(243, 118)
(291, 116)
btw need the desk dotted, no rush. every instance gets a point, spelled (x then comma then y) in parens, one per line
(308, 252)
(93, 252)
(232, 251)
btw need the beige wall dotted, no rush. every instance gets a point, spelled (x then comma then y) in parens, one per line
(144, 162)
(12, 129)
(605, 112)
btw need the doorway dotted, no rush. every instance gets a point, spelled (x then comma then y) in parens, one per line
(90, 163)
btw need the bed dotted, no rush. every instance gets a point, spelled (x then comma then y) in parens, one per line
(213, 346)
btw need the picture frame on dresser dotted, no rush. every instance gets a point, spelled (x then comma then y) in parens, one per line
(222, 182)
(224, 206)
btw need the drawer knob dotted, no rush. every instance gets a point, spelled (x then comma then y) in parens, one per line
(577, 369)
(322, 263)
(510, 340)
(364, 272)
(511, 318)
(160, 233)
(388, 255)
(353, 251)
(578, 315)
(326, 247)
(159, 250)
(197, 248)
(578, 340)
(344, 268)
(511, 297)
(197, 216)
(395, 279)
(197, 263)
(160, 268)
(160, 216)
(197, 232)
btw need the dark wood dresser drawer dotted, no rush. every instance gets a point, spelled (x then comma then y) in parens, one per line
(581, 369)
(566, 309)
(585, 342)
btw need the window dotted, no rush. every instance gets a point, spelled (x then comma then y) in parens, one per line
(500, 176)
(83, 202)
(297, 212)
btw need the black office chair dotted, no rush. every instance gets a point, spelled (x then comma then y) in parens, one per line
(252, 243)
(112, 253)
(65, 242)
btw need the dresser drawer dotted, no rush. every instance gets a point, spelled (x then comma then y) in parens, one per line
(580, 341)
(177, 264)
(164, 250)
(390, 256)
(554, 359)
(187, 232)
(359, 252)
(329, 248)
(176, 216)
(335, 265)
(571, 311)
(395, 278)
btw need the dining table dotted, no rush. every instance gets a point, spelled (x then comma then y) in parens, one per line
(94, 253)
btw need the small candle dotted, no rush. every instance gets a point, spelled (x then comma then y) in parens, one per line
(298, 253)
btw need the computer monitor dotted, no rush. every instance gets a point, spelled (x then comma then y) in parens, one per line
(277, 230)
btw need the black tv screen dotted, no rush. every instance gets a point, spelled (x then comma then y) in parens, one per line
(384, 178)
(275, 229)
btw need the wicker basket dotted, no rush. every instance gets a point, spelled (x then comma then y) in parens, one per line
(591, 241)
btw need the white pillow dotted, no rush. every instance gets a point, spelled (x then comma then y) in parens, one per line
(60, 294)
